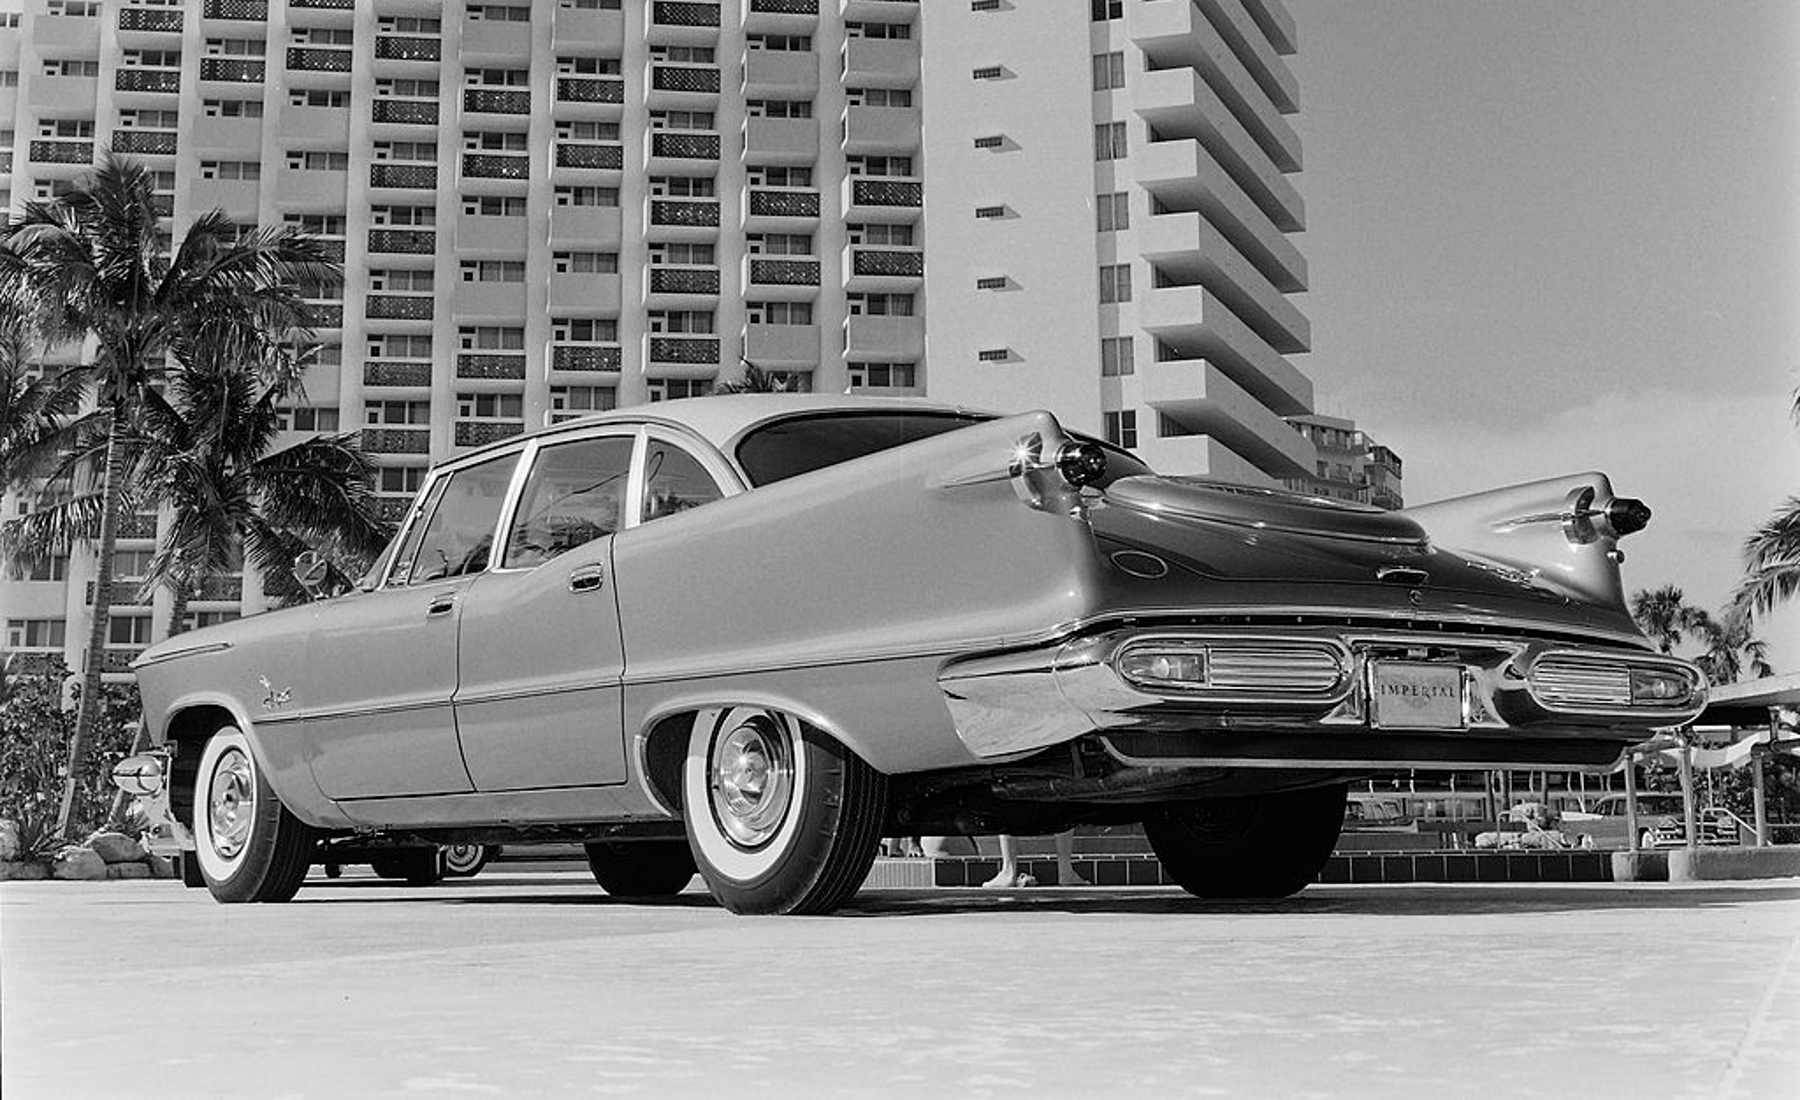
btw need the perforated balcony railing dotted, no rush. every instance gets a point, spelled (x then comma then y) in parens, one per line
(588, 89)
(402, 47)
(490, 365)
(255, 10)
(137, 526)
(681, 145)
(769, 203)
(699, 213)
(147, 80)
(232, 70)
(332, 250)
(783, 272)
(683, 280)
(396, 441)
(703, 79)
(474, 433)
(416, 242)
(62, 152)
(149, 19)
(884, 192)
(309, 59)
(889, 262)
(587, 155)
(683, 13)
(784, 7)
(379, 372)
(422, 176)
(412, 112)
(335, 5)
(684, 349)
(221, 588)
(400, 307)
(497, 101)
(495, 167)
(586, 357)
(155, 143)
(325, 314)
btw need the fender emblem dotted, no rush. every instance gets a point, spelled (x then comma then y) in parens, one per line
(273, 699)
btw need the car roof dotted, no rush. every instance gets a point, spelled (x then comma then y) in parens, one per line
(722, 418)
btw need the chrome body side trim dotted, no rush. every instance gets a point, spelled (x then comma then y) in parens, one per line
(177, 654)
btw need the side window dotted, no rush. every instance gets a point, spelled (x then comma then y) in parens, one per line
(674, 481)
(574, 494)
(460, 534)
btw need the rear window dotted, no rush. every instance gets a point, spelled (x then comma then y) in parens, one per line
(789, 448)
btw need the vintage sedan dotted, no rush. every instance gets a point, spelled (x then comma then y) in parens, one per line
(752, 635)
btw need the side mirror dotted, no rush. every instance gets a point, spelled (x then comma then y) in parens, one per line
(311, 571)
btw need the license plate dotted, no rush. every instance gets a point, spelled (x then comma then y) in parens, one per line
(1411, 695)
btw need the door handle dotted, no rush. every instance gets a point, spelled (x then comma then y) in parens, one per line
(441, 604)
(587, 578)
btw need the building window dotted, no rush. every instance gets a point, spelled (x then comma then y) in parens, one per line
(1113, 211)
(779, 313)
(417, 152)
(401, 479)
(572, 401)
(1107, 9)
(881, 233)
(782, 43)
(489, 141)
(497, 13)
(494, 206)
(879, 305)
(695, 322)
(319, 162)
(584, 330)
(1109, 71)
(1109, 141)
(1121, 429)
(400, 345)
(587, 66)
(882, 376)
(778, 108)
(490, 406)
(587, 263)
(1115, 283)
(1116, 356)
(396, 412)
(230, 170)
(417, 216)
(587, 196)
(34, 633)
(671, 389)
(307, 418)
(778, 244)
(317, 97)
(231, 108)
(128, 630)
(43, 569)
(493, 271)
(491, 338)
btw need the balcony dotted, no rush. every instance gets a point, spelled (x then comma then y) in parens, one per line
(312, 189)
(405, 112)
(137, 525)
(324, 5)
(233, 70)
(790, 278)
(881, 62)
(250, 11)
(478, 433)
(1178, 104)
(883, 269)
(314, 127)
(64, 96)
(584, 294)
(1192, 323)
(150, 143)
(238, 198)
(585, 225)
(779, 209)
(873, 339)
(679, 284)
(70, 35)
(700, 216)
(683, 351)
(1183, 176)
(62, 152)
(124, 593)
(415, 242)
(605, 90)
(492, 40)
(682, 23)
(227, 139)
(155, 81)
(782, 347)
(497, 101)
(1203, 400)
(396, 441)
(220, 590)
(1186, 250)
(151, 20)
(325, 315)
(694, 87)
(682, 151)
(492, 301)
(588, 31)
(490, 366)
(494, 166)
(781, 16)
(781, 140)
(880, 130)
(780, 74)
(490, 234)
(400, 307)
(882, 11)
(411, 177)
(586, 358)
(882, 199)
(307, 59)
(405, 47)
(594, 156)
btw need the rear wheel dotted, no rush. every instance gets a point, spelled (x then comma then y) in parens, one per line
(1257, 846)
(465, 860)
(641, 868)
(247, 846)
(780, 817)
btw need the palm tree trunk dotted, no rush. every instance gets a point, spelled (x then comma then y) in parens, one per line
(87, 711)
(179, 591)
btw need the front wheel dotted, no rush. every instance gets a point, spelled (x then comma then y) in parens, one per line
(1256, 846)
(248, 847)
(641, 868)
(780, 817)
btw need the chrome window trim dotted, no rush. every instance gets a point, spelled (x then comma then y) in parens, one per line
(725, 478)
(535, 446)
(449, 469)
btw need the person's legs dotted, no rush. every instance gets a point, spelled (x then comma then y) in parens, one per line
(1066, 875)
(1009, 866)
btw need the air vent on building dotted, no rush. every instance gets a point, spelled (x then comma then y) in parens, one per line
(987, 72)
(990, 211)
(984, 5)
(991, 141)
(994, 355)
(991, 282)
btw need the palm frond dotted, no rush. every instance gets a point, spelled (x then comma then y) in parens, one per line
(51, 531)
(1771, 561)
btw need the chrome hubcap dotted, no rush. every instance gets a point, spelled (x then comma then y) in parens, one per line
(231, 803)
(752, 780)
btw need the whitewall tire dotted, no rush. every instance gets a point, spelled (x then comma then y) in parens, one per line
(248, 847)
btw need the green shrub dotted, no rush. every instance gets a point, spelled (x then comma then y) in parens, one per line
(34, 748)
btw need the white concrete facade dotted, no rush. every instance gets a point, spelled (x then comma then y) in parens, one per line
(547, 207)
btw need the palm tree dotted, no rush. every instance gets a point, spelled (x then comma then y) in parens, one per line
(1664, 615)
(205, 450)
(97, 260)
(1732, 650)
(757, 380)
(1772, 556)
(32, 406)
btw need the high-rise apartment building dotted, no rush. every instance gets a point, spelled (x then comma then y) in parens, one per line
(547, 208)
(1348, 464)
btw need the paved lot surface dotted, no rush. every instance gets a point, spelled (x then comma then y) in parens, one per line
(538, 985)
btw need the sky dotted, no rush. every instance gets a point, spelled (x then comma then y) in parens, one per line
(1548, 236)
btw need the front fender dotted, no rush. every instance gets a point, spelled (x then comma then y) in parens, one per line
(276, 743)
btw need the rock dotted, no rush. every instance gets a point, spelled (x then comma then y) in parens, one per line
(116, 848)
(9, 841)
(127, 870)
(78, 863)
(160, 866)
(18, 872)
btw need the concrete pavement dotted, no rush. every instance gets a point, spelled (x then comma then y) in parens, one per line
(514, 984)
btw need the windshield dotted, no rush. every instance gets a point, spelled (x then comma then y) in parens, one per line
(802, 444)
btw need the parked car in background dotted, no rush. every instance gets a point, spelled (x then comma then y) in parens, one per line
(751, 635)
(1375, 813)
(1660, 821)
